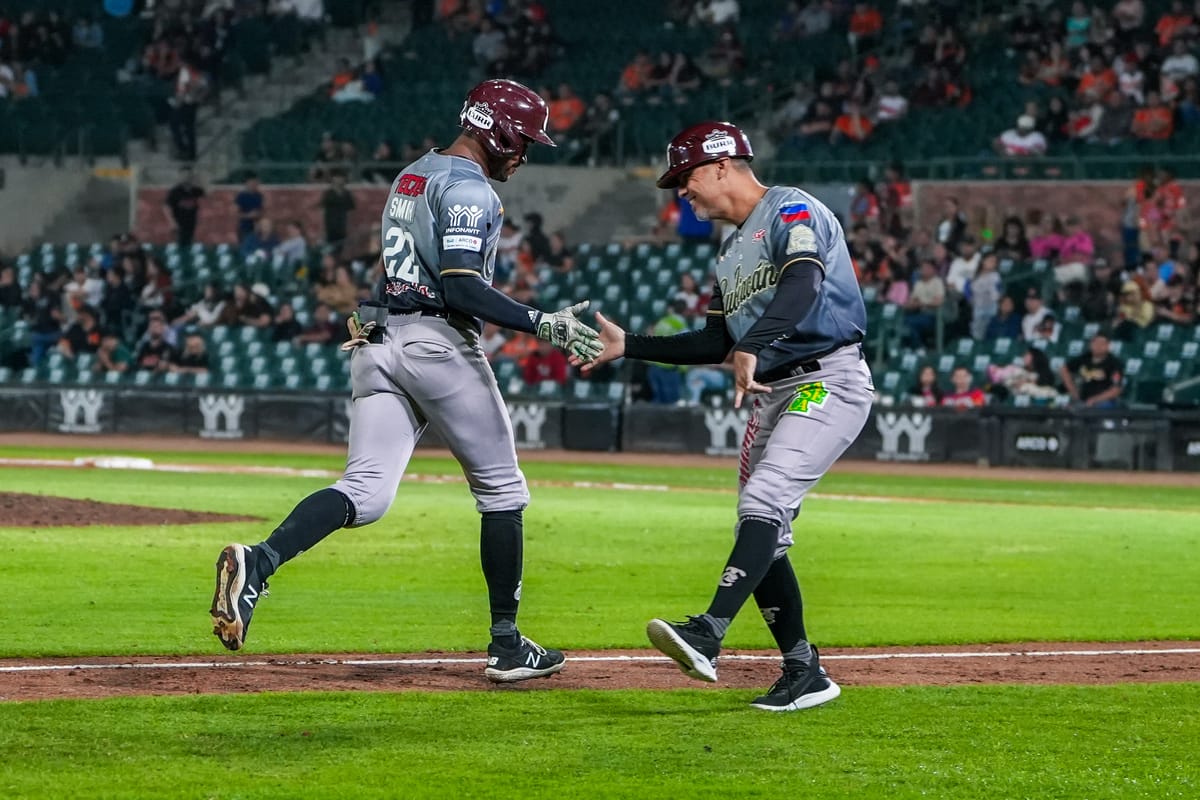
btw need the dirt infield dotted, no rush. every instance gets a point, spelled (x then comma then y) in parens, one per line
(1040, 663)
(47, 511)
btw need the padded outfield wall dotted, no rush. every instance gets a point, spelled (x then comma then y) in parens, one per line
(1029, 437)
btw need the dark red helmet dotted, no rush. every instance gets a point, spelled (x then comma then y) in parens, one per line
(700, 144)
(501, 113)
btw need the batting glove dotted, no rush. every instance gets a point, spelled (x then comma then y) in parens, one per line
(563, 329)
(359, 332)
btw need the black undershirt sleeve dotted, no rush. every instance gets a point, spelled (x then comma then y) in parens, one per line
(708, 345)
(470, 295)
(794, 297)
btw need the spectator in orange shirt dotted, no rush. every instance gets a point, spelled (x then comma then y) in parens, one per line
(1097, 82)
(852, 124)
(866, 24)
(517, 348)
(1153, 120)
(566, 110)
(1176, 23)
(633, 77)
(343, 76)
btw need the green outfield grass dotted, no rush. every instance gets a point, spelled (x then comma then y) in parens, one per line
(1034, 490)
(996, 742)
(1006, 561)
(599, 563)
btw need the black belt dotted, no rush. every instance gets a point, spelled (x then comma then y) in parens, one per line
(795, 369)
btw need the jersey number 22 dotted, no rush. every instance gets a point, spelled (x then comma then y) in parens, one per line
(398, 252)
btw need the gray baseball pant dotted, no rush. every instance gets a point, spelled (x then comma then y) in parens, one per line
(427, 372)
(797, 432)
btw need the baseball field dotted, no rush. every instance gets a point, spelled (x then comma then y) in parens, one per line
(996, 635)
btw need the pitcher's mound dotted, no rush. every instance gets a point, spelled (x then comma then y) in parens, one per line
(48, 511)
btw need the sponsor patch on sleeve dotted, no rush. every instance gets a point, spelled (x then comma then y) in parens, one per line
(460, 242)
(801, 239)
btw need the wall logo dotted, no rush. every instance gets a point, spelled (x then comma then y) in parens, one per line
(1193, 448)
(527, 422)
(216, 408)
(724, 425)
(1037, 443)
(81, 410)
(464, 216)
(893, 426)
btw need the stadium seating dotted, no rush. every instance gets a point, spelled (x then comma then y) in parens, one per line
(632, 286)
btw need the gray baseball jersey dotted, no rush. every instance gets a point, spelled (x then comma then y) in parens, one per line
(789, 226)
(442, 216)
(803, 426)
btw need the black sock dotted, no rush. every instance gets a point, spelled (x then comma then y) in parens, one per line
(779, 600)
(316, 516)
(501, 539)
(757, 539)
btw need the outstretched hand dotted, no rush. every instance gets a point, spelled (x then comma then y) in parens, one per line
(612, 339)
(563, 329)
(744, 365)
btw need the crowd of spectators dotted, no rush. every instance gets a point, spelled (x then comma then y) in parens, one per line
(1116, 73)
(515, 37)
(37, 40)
(974, 281)
(921, 66)
(121, 311)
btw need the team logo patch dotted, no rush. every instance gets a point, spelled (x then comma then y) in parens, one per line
(807, 395)
(479, 115)
(794, 212)
(760, 234)
(464, 216)
(801, 239)
(718, 142)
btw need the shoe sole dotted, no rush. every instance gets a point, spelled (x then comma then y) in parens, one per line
(231, 579)
(521, 673)
(691, 662)
(806, 701)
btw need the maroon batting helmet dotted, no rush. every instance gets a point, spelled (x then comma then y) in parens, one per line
(501, 112)
(700, 144)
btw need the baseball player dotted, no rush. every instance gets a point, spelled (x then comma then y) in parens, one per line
(415, 362)
(787, 303)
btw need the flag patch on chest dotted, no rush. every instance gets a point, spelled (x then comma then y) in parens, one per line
(794, 212)
(801, 239)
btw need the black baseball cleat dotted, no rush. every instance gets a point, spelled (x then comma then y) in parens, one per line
(691, 644)
(527, 660)
(238, 589)
(801, 686)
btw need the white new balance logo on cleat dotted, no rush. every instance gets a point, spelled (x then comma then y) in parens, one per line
(533, 659)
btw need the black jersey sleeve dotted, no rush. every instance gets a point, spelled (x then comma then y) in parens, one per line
(709, 345)
(467, 292)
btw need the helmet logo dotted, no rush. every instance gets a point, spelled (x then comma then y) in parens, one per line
(718, 142)
(480, 115)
